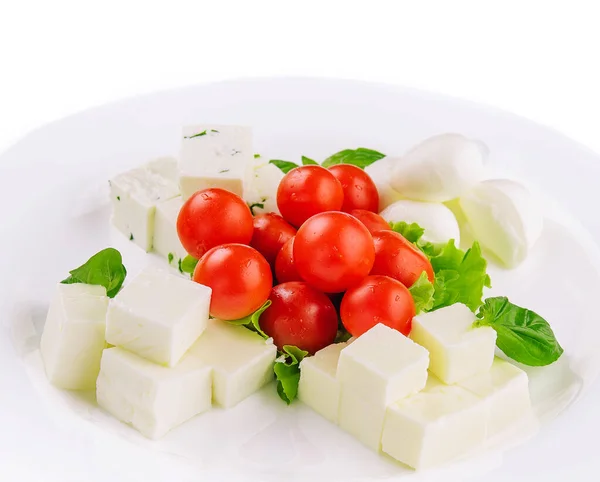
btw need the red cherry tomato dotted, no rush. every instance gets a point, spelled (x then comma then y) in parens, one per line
(212, 217)
(377, 299)
(333, 251)
(301, 316)
(398, 258)
(271, 232)
(306, 191)
(360, 191)
(373, 221)
(285, 268)
(240, 278)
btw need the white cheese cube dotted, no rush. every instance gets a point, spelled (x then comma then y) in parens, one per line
(151, 398)
(166, 239)
(134, 196)
(435, 426)
(158, 316)
(319, 387)
(378, 368)
(215, 156)
(262, 188)
(505, 390)
(242, 361)
(73, 337)
(381, 172)
(164, 166)
(457, 350)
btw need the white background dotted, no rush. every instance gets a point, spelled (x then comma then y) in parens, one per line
(538, 59)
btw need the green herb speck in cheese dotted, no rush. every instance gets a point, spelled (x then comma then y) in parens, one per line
(171, 257)
(223, 170)
(214, 130)
(256, 156)
(130, 236)
(200, 134)
(118, 198)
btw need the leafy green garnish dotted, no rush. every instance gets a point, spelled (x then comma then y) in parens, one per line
(105, 268)
(214, 130)
(412, 232)
(360, 157)
(287, 372)
(252, 322)
(188, 264)
(130, 236)
(222, 171)
(522, 334)
(307, 161)
(422, 292)
(285, 166)
(200, 134)
(256, 156)
(118, 198)
(256, 205)
(171, 257)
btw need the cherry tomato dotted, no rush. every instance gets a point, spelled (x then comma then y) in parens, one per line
(398, 258)
(212, 217)
(285, 268)
(306, 191)
(240, 278)
(377, 299)
(360, 192)
(373, 221)
(333, 251)
(301, 316)
(271, 232)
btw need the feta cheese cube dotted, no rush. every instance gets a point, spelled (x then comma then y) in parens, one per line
(215, 156)
(73, 337)
(434, 426)
(164, 166)
(166, 239)
(158, 316)
(262, 188)
(151, 398)
(319, 387)
(378, 368)
(457, 350)
(134, 196)
(242, 361)
(505, 390)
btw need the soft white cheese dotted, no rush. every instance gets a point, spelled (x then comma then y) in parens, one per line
(319, 387)
(262, 188)
(151, 398)
(242, 361)
(434, 426)
(437, 220)
(166, 240)
(504, 217)
(505, 390)
(158, 316)
(378, 368)
(439, 169)
(73, 337)
(457, 350)
(134, 195)
(380, 172)
(164, 166)
(215, 156)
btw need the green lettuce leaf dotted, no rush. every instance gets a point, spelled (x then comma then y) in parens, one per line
(422, 292)
(412, 232)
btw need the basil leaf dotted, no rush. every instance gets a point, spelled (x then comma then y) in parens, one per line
(285, 166)
(105, 268)
(306, 161)
(287, 372)
(252, 321)
(412, 232)
(523, 335)
(188, 264)
(422, 292)
(360, 157)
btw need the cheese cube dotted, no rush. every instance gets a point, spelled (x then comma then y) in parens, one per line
(215, 156)
(319, 387)
(378, 368)
(158, 316)
(134, 196)
(457, 349)
(164, 166)
(505, 390)
(242, 361)
(435, 426)
(151, 398)
(262, 188)
(166, 239)
(73, 337)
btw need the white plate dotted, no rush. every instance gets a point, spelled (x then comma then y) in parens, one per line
(55, 215)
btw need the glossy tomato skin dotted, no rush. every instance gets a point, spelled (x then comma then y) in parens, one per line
(306, 191)
(377, 299)
(301, 316)
(373, 221)
(360, 192)
(271, 232)
(212, 217)
(240, 278)
(333, 251)
(398, 258)
(285, 268)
